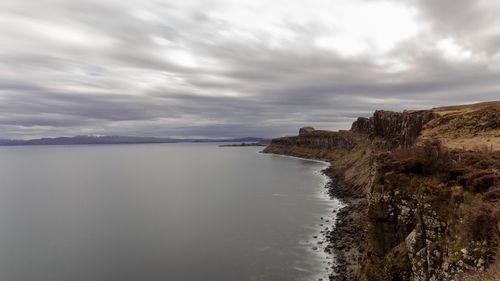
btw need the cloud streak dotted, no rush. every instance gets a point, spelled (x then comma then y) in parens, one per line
(236, 68)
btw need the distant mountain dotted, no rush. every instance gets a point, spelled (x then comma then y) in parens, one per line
(114, 140)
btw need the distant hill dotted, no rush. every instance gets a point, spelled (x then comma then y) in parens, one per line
(114, 140)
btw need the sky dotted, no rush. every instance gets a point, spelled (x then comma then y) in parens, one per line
(234, 68)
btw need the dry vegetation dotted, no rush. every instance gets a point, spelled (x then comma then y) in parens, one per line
(491, 274)
(427, 158)
(481, 220)
(475, 171)
(480, 172)
(464, 127)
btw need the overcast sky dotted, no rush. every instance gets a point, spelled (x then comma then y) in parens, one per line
(231, 68)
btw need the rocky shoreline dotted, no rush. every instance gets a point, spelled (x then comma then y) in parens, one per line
(346, 239)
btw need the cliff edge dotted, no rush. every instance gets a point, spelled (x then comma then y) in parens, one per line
(422, 189)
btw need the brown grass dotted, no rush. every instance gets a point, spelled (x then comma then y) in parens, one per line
(466, 107)
(476, 171)
(492, 273)
(466, 126)
(427, 158)
(480, 222)
(493, 195)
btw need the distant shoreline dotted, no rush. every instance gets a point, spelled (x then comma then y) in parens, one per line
(243, 144)
(99, 140)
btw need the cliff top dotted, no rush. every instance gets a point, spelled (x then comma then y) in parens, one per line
(470, 126)
(467, 107)
(466, 126)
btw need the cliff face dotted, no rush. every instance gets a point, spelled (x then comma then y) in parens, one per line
(434, 222)
(428, 204)
(398, 129)
(387, 129)
(311, 143)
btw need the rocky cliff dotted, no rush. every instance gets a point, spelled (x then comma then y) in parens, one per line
(422, 189)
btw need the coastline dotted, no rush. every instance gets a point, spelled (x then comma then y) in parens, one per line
(341, 237)
(417, 186)
(346, 240)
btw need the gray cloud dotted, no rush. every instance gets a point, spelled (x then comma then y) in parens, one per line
(224, 69)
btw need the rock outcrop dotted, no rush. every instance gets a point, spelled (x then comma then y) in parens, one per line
(311, 138)
(400, 129)
(427, 210)
(363, 126)
(306, 131)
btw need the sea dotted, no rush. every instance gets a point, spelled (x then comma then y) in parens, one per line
(161, 212)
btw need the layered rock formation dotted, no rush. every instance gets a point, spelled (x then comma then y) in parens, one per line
(422, 209)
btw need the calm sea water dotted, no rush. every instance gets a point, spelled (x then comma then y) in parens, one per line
(170, 212)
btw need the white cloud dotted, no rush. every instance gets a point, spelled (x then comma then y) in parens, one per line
(157, 67)
(369, 28)
(452, 51)
(36, 31)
